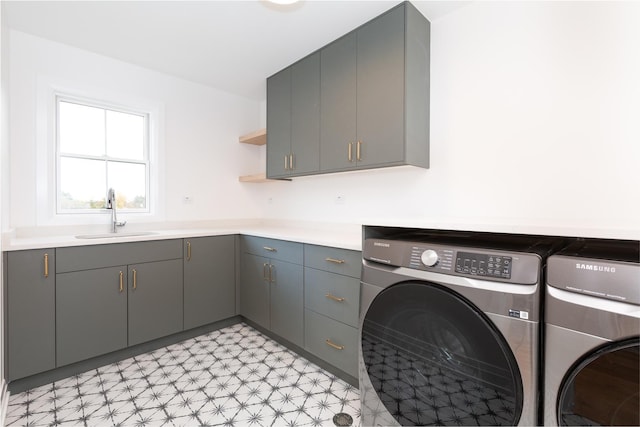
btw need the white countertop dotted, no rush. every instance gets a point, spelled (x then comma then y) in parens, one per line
(346, 236)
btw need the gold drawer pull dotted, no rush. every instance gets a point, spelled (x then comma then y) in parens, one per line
(46, 265)
(269, 248)
(331, 344)
(188, 251)
(337, 261)
(135, 279)
(121, 282)
(335, 298)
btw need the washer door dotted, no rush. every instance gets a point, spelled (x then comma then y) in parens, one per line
(603, 387)
(434, 359)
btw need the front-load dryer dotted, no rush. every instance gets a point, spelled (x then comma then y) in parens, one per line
(592, 335)
(450, 330)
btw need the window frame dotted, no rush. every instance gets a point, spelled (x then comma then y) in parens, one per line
(146, 161)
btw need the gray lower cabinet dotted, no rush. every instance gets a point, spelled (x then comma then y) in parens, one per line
(155, 300)
(209, 280)
(30, 277)
(271, 286)
(108, 297)
(91, 313)
(332, 305)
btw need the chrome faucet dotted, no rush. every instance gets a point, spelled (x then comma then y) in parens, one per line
(111, 204)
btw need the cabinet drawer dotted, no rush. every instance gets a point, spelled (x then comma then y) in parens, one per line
(341, 261)
(332, 341)
(332, 295)
(99, 256)
(273, 248)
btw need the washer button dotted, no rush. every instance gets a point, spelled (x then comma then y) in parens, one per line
(429, 257)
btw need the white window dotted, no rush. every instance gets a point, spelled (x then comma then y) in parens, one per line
(100, 147)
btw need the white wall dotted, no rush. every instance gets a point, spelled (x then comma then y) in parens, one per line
(535, 112)
(201, 127)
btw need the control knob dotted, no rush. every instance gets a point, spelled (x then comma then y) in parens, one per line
(429, 257)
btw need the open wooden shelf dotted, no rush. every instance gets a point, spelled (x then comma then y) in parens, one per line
(258, 137)
(258, 177)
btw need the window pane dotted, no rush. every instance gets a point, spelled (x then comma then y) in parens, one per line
(125, 135)
(129, 182)
(82, 183)
(81, 129)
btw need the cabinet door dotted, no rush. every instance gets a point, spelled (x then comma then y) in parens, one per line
(287, 301)
(209, 280)
(338, 103)
(254, 289)
(30, 312)
(155, 300)
(380, 89)
(278, 123)
(305, 115)
(91, 313)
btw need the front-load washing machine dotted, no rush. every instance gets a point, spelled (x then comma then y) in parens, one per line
(592, 368)
(450, 329)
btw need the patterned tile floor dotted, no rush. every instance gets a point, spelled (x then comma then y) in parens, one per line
(231, 377)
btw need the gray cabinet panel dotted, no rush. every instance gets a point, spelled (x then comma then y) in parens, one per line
(305, 115)
(91, 313)
(338, 71)
(155, 300)
(332, 295)
(273, 248)
(287, 301)
(99, 256)
(323, 335)
(336, 260)
(254, 289)
(209, 280)
(278, 123)
(380, 89)
(30, 313)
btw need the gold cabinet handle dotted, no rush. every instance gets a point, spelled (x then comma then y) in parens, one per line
(135, 279)
(358, 145)
(46, 265)
(335, 298)
(264, 272)
(350, 152)
(286, 162)
(269, 248)
(337, 261)
(332, 344)
(271, 273)
(292, 165)
(188, 251)
(121, 282)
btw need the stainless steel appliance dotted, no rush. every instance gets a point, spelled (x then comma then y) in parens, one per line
(592, 339)
(450, 328)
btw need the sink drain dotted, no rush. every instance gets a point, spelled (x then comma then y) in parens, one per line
(342, 420)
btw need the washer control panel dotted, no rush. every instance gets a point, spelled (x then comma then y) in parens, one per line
(437, 257)
(478, 264)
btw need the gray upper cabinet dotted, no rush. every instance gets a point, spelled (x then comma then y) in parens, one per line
(293, 119)
(375, 94)
(209, 280)
(373, 99)
(30, 277)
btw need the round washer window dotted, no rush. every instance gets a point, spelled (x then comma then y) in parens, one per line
(602, 389)
(434, 359)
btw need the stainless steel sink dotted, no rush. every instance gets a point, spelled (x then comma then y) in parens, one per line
(113, 235)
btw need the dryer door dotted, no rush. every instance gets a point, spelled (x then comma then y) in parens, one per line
(433, 358)
(602, 389)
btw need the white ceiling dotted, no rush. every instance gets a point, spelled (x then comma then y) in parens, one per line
(229, 45)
